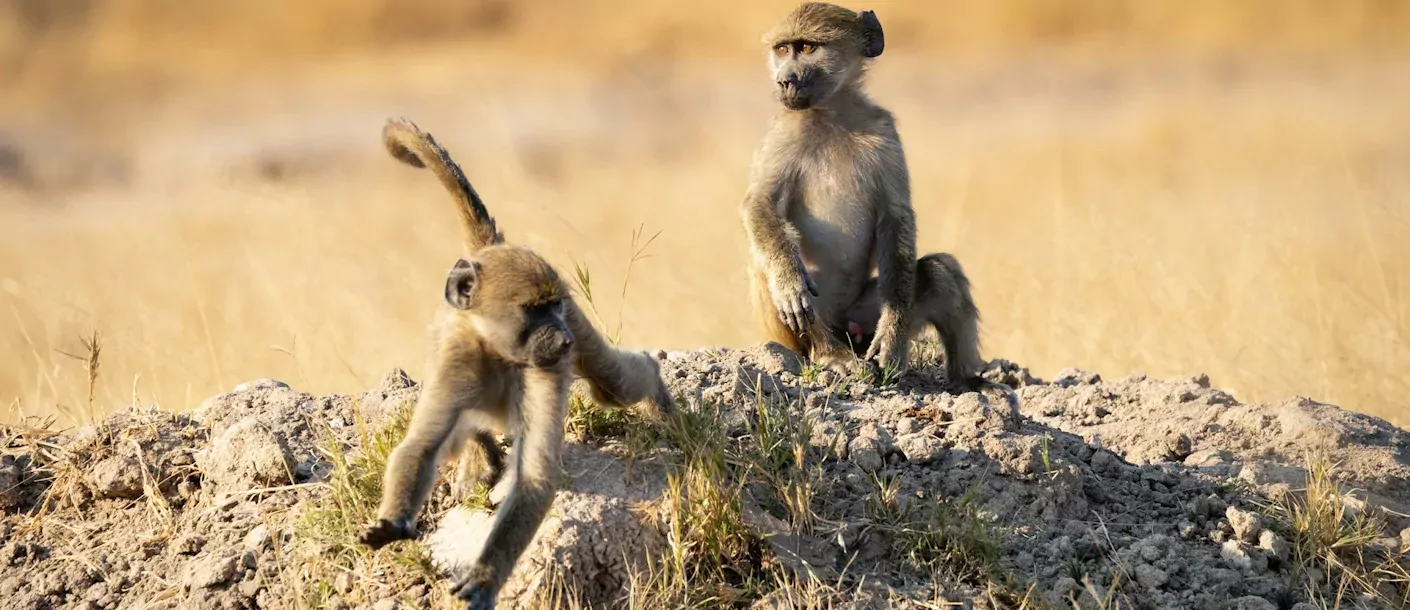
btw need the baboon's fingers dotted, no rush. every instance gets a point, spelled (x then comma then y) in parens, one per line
(795, 308)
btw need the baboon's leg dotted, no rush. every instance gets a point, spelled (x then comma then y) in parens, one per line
(617, 377)
(411, 468)
(481, 462)
(942, 301)
(536, 464)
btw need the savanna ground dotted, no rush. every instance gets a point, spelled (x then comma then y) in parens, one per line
(1168, 187)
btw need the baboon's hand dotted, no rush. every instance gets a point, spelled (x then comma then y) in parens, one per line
(387, 531)
(793, 298)
(477, 588)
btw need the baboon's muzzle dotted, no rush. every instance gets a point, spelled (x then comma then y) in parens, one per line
(795, 92)
(549, 344)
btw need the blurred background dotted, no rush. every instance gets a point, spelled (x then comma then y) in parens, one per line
(1170, 187)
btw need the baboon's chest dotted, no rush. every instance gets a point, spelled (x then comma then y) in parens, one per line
(834, 210)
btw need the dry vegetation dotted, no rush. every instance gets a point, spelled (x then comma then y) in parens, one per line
(1168, 187)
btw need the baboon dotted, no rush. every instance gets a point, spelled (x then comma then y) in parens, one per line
(828, 211)
(504, 354)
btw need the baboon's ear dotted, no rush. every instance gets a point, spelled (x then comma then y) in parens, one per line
(461, 283)
(871, 31)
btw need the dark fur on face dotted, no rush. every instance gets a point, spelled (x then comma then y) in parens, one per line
(818, 49)
(516, 301)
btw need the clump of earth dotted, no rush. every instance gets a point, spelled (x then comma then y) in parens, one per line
(1151, 493)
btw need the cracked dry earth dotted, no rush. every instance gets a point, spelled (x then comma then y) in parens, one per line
(1148, 493)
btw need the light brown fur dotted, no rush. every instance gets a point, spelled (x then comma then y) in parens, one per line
(828, 211)
(503, 357)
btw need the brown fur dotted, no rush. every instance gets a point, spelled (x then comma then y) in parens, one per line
(828, 210)
(502, 360)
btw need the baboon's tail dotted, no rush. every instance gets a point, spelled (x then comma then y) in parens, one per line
(410, 145)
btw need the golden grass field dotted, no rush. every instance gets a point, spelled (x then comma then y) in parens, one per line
(1166, 187)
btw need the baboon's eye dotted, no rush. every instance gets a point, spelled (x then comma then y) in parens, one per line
(781, 50)
(808, 48)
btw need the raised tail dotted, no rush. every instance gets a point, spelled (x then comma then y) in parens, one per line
(408, 144)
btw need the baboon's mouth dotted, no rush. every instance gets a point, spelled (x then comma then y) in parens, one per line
(548, 351)
(794, 99)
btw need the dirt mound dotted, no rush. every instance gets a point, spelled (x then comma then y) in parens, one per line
(781, 486)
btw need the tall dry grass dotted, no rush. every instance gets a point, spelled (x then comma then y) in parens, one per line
(1162, 187)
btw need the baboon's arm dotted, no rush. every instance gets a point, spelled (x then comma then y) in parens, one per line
(774, 242)
(617, 377)
(895, 266)
(536, 459)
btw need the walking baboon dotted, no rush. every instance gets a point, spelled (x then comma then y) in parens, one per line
(504, 355)
(829, 201)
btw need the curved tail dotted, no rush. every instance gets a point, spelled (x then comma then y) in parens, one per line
(408, 144)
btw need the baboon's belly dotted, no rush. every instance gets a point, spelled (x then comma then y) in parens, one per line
(837, 243)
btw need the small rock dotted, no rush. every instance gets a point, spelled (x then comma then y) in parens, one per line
(907, 425)
(119, 476)
(397, 379)
(921, 448)
(1273, 544)
(974, 411)
(1247, 525)
(777, 359)
(829, 439)
(342, 583)
(212, 572)
(260, 384)
(1237, 555)
(247, 455)
(870, 448)
(96, 592)
(251, 588)
(188, 544)
(1103, 461)
(1178, 446)
(390, 603)
(258, 539)
(1207, 458)
(1070, 377)
(865, 456)
(1405, 538)
(10, 477)
(1252, 602)
(750, 381)
(1150, 576)
(1063, 587)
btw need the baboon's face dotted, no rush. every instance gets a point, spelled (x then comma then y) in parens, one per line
(818, 49)
(516, 303)
(807, 73)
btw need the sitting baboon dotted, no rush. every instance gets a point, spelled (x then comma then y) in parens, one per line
(828, 211)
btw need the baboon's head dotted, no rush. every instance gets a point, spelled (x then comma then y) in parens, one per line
(819, 49)
(516, 302)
